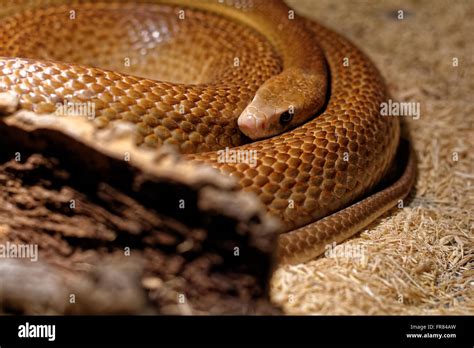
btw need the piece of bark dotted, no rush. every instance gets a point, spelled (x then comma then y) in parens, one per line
(82, 204)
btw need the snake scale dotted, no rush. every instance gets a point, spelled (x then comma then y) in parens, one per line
(240, 69)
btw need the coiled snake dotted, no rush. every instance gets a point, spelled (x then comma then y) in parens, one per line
(237, 66)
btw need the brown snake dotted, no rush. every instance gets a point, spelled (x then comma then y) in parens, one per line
(251, 60)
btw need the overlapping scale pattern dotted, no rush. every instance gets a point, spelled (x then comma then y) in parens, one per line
(119, 56)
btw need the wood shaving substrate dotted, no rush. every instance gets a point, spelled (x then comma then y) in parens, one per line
(415, 260)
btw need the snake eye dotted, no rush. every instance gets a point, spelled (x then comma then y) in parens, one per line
(285, 118)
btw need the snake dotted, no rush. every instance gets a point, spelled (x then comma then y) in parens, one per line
(248, 76)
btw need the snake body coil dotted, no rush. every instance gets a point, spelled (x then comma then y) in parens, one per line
(252, 60)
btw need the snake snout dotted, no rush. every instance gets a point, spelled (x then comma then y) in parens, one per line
(252, 125)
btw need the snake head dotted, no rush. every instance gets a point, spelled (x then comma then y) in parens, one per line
(283, 102)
